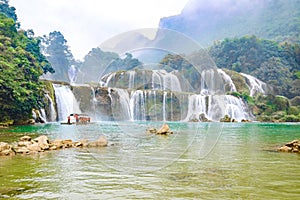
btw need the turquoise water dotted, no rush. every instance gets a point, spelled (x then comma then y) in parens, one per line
(199, 161)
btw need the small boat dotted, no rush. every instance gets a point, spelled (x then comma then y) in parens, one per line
(75, 118)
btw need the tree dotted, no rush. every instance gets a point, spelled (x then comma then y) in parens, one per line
(55, 48)
(21, 65)
(9, 11)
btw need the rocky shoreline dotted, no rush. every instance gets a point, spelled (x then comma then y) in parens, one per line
(26, 145)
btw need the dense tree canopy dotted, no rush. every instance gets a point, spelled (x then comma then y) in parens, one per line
(9, 11)
(21, 65)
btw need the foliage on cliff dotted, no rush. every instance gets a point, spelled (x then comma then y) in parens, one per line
(275, 108)
(274, 63)
(21, 65)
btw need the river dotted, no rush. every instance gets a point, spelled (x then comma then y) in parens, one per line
(199, 161)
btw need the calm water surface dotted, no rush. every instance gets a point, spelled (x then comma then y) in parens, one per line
(199, 161)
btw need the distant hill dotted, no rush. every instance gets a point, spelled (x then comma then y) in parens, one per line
(207, 21)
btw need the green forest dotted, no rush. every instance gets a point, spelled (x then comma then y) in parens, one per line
(21, 65)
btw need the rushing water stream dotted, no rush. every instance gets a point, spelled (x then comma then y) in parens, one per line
(199, 161)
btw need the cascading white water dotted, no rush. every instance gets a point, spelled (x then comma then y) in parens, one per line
(137, 105)
(235, 108)
(72, 73)
(43, 115)
(227, 80)
(131, 79)
(215, 81)
(108, 77)
(124, 101)
(216, 106)
(255, 85)
(164, 106)
(156, 101)
(65, 101)
(163, 80)
(197, 106)
(52, 112)
(93, 100)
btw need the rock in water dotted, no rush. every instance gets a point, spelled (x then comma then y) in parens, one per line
(165, 129)
(6, 149)
(293, 146)
(102, 141)
(25, 138)
(151, 131)
(43, 142)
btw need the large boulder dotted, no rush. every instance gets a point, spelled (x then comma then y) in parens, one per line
(56, 144)
(82, 143)
(43, 142)
(6, 149)
(226, 118)
(293, 146)
(34, 147)
(25, 138)
(164, 130)
(21, 150)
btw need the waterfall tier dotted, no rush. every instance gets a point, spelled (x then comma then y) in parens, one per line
(255, 85)
(65, 101)
(158, 95)
(144, 79)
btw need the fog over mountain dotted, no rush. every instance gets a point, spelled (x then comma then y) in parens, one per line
(207, 21)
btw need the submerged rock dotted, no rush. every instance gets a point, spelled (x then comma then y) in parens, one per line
(101, 142)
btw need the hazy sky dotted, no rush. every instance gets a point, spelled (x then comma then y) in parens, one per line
(87, 23)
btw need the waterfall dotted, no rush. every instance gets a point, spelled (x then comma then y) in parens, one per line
(52, 113)
(216, 81)
(124, 101)
(164, 106)
(93, 100)
(227, 80)
(108, 78)
(131, 79)
(235, 108)
(160, 80)
(158, 95)
(216, 106)
(163, 80)
(43, 115)
(137, 105)
(196, 106)
(65, 101)
(255, 86)
(72, 73)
